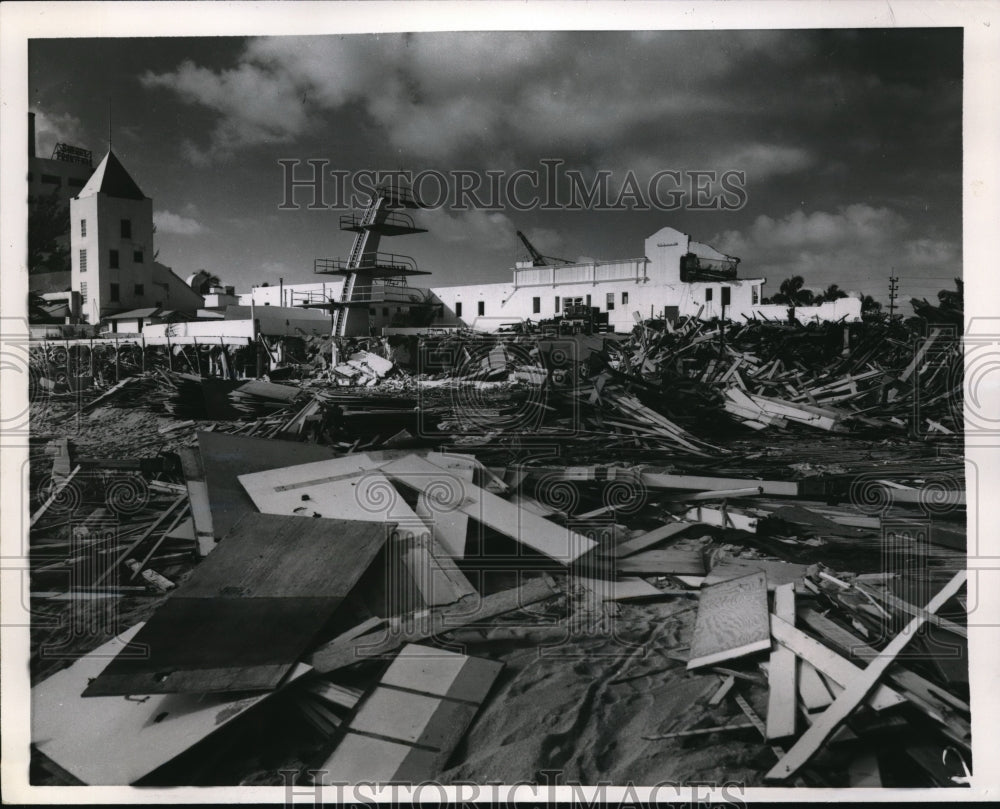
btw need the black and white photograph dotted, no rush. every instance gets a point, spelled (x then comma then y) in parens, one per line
(454, 402)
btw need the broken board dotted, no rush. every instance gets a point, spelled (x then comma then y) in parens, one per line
(115, 741)
(663, 563)
(249, 611)
(407, 727)
(535, 532)
(732, 621)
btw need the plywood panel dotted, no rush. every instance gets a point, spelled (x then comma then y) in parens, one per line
(226, 457)
(248, 612)
(535, 532)
(732, 621)
(114, 741)
(407, 727)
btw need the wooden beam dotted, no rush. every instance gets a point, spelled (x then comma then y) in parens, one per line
(828, 662)
(639, 542)
(431, 623)
(781, 673)
(855, 691)
(699, 483)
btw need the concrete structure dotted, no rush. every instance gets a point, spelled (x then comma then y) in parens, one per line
(111, 236)
(677, 276)
(64, 174)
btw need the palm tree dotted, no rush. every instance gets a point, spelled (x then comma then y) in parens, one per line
(792, 292)
(832, 293)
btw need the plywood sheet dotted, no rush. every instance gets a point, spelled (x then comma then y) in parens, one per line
(115, 741)
(249, 611)
(407, 727)
(226, 457)
(535, 532)
(732, 621)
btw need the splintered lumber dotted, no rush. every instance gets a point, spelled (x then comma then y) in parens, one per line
(201, 510)
(435, 574)
(781, 673)
(125, 554)
(115, 741)
(837, 668)
(249, 610)
(408, 726)
(905, 606)
(934, 701)
(641, 542)
(535, 532)
(722, 517)
(732, 621)
(699, 483)
(428, 624)
(857, 689)
(663, 563)
(54, 495)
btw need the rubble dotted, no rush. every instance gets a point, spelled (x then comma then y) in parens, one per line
(627, 525)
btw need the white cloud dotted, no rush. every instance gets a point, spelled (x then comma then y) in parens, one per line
(857, 246)
(51, 128)
(167, 222)
(489, 230)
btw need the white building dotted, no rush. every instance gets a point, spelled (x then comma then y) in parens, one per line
(111, 238)
(676, 277)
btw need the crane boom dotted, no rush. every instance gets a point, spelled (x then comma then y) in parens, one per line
(537, 259)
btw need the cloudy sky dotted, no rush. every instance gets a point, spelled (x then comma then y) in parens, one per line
(850, 142)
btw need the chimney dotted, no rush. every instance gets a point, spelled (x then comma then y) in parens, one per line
(31, 134)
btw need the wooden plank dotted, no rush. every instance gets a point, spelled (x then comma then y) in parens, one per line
(722, 517)
(201, 510)
(641, 542)
(724, 689)
(698, 483)
(431, 623)
(905, 606)
(663, 562)
(249, 610)
(931, 699)
(115, 741)
(781, 673)
(732, 621)
(408, 726)
(813, 692)
(778, 572)
(858, 688)
(619, 589)
(537, 533)
(439, 507)
(825, 660)
(437, 578)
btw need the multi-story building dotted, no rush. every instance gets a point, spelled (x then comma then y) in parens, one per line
(112, 252)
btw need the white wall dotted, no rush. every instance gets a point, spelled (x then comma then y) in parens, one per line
(294, 293)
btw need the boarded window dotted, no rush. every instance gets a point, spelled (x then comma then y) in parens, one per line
(83, 261)
(83, 227)
(83, 292)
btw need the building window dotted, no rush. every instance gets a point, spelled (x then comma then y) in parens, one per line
(113, 295)
(113, 259)
(611, 301)
(588, 302)
(536, 305)
(726, 293)
(372, 311)
(708, 294)
(51, 179)
(482, 307)
(458, 309)
(557, 304)
(385, 311)
(754, 295)
(83, 261)
(126, 228)
(139, 290)
(137, 256)
(624, 299)
(83, 227)
(83, 292)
